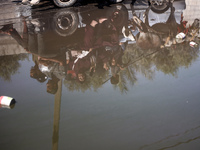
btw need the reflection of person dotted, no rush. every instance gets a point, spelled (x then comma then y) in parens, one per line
(52, 85)
(78, 65)
(51, 68)
(98, 33)
(111, 57)
(114, 79)
(54, 71)
(9, 30)
(116, 65)
(79, 61)
(35, 39)
(35, 73)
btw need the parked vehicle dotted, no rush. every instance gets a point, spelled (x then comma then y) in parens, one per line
(156, 15)
(64, 3)
(157, 6)
(68, 3)
(66, 26)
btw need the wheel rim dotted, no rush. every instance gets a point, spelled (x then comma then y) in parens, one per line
(160, 5)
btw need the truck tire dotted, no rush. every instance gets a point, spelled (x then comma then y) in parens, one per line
(159, 6)
(65, 23)
(64, 3)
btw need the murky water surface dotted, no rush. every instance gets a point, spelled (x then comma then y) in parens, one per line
(118, 78)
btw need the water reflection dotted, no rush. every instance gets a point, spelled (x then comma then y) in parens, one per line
(83, 49)
(9, 65)
(172, 136)
(86, 49)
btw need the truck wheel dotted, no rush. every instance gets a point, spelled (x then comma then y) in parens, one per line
(159, 6)
(65, 23)
(64, 3)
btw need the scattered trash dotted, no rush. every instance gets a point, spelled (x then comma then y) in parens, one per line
(7, 102)
(180, 37)
(193, 44)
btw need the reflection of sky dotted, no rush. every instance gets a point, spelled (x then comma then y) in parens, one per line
(150, 111)
(162, 18)
(164, 109)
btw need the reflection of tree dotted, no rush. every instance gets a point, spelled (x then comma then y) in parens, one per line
(9, 65)
(164, 62)
(147, 61)
(170, 60)
(122, 85)
(141, 60)
(127, 75)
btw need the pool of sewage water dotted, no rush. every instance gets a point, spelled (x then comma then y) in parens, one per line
(82, 80)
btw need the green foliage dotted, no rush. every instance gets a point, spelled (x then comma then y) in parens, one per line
(9, 65)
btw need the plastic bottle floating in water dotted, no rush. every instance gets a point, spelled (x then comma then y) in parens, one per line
(180, 37)
(193, 44)
(7, 102)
